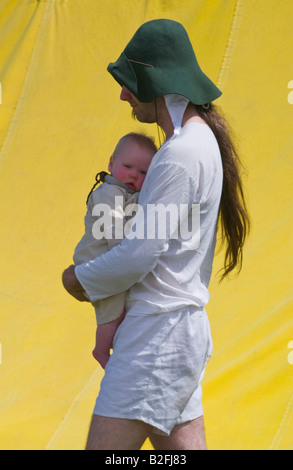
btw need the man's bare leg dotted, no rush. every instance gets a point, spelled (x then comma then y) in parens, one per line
(187, 436)
(116, 434)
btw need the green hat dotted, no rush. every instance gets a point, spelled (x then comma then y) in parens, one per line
(160, 60)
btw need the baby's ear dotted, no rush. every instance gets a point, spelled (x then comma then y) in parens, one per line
(110, 164)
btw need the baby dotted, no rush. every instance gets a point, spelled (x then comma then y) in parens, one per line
(128, 167)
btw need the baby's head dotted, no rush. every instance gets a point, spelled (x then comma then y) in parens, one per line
(131, 159)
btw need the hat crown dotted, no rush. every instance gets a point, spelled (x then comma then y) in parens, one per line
(160, 43)
(160, 60)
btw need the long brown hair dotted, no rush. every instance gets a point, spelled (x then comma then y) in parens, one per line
(233, 215)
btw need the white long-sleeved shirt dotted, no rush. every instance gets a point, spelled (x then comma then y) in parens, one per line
(165, 274)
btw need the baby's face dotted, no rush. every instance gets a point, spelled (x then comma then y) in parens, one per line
(131, 163)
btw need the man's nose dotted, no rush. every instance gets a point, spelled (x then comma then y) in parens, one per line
(125, 94)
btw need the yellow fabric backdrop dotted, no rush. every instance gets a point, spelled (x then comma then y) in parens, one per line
(60, 117)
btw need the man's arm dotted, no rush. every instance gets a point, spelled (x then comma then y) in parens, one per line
(129, 262)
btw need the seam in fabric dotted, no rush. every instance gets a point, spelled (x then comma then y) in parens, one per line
(12, 127)
(283, 425)
(72, 410)
(227, 58)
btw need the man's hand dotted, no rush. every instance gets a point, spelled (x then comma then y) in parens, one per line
(72, 285)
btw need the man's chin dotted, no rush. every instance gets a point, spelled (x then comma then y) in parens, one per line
(136, 117)
(143, 119)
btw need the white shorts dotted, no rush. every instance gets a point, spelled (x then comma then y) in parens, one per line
(156, 368)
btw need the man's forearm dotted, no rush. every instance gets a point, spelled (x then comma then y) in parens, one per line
(120, 268)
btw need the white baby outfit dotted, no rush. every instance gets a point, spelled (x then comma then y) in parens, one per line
(111, 198)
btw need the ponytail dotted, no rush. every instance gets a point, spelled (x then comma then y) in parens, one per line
(233, 215)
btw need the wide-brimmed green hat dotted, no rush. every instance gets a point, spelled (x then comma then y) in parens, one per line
(160, 60)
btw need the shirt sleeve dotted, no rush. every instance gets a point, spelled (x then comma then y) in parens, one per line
(116, 271)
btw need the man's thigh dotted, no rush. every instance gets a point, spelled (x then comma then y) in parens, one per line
(187, 436)
(116, 434)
